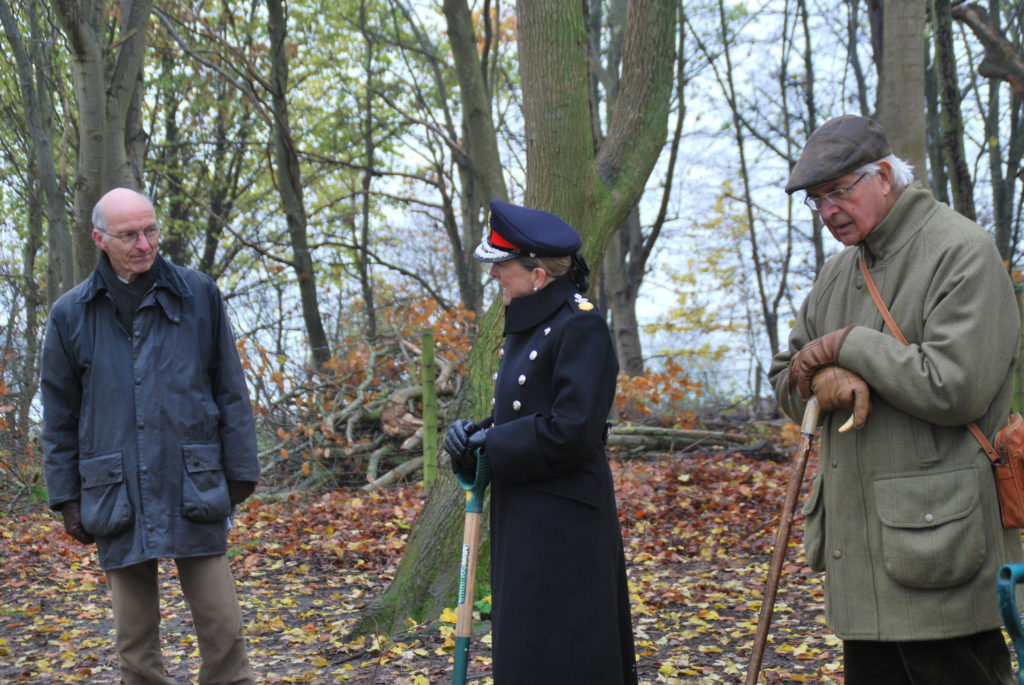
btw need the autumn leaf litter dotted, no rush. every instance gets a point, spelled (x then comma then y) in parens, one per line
(698, 531)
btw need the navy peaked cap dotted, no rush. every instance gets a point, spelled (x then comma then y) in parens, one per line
(516, 231)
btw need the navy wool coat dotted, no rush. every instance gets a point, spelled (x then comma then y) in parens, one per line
(560, 598)
(145, 427)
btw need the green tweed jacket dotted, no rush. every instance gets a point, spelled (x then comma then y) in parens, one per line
(903, 515)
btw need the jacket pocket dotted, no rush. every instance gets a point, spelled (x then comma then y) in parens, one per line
(204, 494)
(933, 532)
(106, 509)
(814, 527)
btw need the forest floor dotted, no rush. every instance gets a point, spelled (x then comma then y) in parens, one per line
(698, 531)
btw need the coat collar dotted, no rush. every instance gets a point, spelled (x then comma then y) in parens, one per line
(167, 277)
(900, 224)
(526, 312)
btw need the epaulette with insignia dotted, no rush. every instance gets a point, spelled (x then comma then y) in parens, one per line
(583, 303)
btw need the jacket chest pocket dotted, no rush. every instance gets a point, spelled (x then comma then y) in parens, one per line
(933, 532)
(204, 492)
(106, 509)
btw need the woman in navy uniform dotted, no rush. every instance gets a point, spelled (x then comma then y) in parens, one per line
(558, 579)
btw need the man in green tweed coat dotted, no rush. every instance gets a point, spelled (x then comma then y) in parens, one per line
(903, 516)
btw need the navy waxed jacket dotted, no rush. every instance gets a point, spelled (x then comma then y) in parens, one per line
(145, 427)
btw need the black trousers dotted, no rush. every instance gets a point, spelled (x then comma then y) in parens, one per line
(978, 659)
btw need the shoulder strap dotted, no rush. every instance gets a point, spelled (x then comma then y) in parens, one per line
(990, 452)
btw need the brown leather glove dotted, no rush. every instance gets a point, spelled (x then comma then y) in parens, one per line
(816, 354)
(71, 512)
(239, 490)
(839, 388)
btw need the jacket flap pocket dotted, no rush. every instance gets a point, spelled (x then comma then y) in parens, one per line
(926, 499)
(581, 486)
(102, 470)
(204, 457)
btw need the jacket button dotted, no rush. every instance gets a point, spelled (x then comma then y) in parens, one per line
(835, 463)
(837, 554)
(522, 379)
(492, 401)
(501, 353)
(547, 330)
(140, 425)
(533, 355)
(517, 405)
(928, 518)
(495, 376)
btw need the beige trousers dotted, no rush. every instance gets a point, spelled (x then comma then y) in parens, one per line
(209, 589)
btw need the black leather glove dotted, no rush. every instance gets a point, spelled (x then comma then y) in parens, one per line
(456, 444)
(239, 490)
(71, 511)
(457, 438)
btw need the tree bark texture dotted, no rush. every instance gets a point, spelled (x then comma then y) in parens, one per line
(37, 107)
(901, 89)
(622, 288)
(480, 167)
(1002, 61)
(289, 185)
(951, 124)
(105, 94)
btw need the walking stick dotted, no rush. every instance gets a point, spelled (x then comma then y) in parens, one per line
(796, 477)
(467, 571)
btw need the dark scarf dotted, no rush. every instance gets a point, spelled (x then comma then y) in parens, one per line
(127, 296)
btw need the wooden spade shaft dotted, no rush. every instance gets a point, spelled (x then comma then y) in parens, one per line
(796, 477)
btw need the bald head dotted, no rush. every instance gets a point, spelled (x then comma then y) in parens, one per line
(124, 226)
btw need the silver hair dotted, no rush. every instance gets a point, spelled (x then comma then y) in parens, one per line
(99, 221)
(902, 171)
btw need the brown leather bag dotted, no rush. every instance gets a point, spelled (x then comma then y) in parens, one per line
(1009, 471)
(1007, 456)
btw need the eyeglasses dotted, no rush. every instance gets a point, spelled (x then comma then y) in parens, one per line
(132, 237)
(814, 202)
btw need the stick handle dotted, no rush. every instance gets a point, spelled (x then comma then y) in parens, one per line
(796, 477)
(464, 611)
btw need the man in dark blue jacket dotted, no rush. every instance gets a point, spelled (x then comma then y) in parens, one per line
(149, 439)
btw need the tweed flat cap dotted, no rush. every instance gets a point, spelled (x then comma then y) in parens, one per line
(519, 230)
(836, 148)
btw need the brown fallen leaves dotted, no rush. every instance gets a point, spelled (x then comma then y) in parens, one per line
(698, 532)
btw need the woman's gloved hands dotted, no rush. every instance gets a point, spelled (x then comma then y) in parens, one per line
(462, 441)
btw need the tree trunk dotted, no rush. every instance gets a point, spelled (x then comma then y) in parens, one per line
(951, 124)
(480, 169)
(901, 89)
(1002, 60)
(552, 70)
(107, 106)
(37, 106)
(622, 291)
(362, 236)
(939, 179)
(289, 185)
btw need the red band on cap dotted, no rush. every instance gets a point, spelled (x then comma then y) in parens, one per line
(496, 240)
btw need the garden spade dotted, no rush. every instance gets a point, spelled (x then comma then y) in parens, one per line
(474, 484)
(796, 477)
